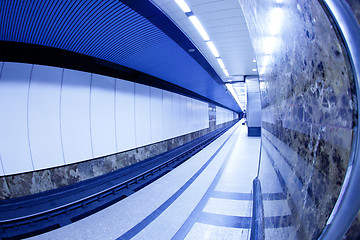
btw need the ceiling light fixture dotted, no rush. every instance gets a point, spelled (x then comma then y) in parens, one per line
(182, 4)
(233, 93)
(213, 49)
(254, 70)
(195, 21)
(254, 60)
(221, 63)
(277, 18)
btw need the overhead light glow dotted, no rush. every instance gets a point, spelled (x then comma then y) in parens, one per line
(276, 21)
(254, 69)
(226, 72)
(221, 63)
(233, 93)
(195, 21)
(213, 49)
(182, 4)
(265, 61)
(262, 70)
(254, 60)
(271, 44)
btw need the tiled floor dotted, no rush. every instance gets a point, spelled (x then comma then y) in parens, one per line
(207, 197)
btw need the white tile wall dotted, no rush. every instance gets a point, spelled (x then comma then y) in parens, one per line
(102, 115)
(194, 114)
(183, 118)
(125, 115)
(157, 133)
(44, 117)
(1, 164)
(75, 116)
(189, 115)
(223, 115)
(14, 144)
(176, 113)
(167, 118)
(53, 116)
(142, 115)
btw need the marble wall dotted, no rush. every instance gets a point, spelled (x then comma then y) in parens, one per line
(354, 5)
(308, 106)
(354, 229)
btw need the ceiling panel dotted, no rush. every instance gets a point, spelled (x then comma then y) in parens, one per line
(225, 24)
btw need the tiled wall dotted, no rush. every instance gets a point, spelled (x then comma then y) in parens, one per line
(223, 115)
(60, 126)
(308, 108)
(52, 116)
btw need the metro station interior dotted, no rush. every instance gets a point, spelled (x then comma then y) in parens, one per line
(179, 119)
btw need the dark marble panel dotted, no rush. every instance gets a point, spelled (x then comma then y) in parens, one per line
(308, 184)
(4, 190)
(355, 7)
(354, 230)
(43, 180)
(309, 106)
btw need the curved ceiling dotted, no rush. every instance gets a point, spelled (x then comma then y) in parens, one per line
(144, 40)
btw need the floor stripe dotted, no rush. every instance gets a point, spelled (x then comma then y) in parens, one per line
(286, 160)
(187, 225)
(224, 220)
(278, 221)
(247, 196)
(152, 216)
(274, 196)
(290, 200)
(232, 195)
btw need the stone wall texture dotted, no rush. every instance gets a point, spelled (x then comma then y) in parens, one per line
(354, 229)
(308, 105)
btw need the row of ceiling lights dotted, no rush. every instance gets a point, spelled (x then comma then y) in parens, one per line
(195, 21)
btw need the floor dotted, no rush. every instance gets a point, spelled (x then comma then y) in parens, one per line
(207, 197)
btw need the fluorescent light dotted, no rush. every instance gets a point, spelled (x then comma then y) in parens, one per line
(271, 44)
(254, 60)
(213, 49)
(265, 60)
(195, 21)
(226, 72)
(182, 4)
(221, 63)
(262, 70)
(254, 69)
(233, 93)
(276, 21)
